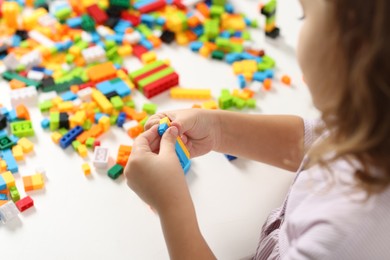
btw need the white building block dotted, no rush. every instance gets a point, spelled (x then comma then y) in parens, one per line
(8, 211)
(130, 124)
(85, 94)
(26, 96)
(35, 75)
(44, 96)
(100, 157)
(11, 62)
(40, 38)
(94, 54)
(47, 21)
(133, 38)
(77, 102)
(31, 59)
(103, 31)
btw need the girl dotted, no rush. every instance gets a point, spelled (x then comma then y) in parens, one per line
(338, 206)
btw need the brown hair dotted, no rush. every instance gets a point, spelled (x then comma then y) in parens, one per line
(358, 118)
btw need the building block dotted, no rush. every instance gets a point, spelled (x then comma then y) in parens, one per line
(24, 203)
(181, 150)
(14, 194)
(3, 165)
(124, 152)
(17, 152)
(100, 157)
(115, 171)
(33, 182)
(150, 108)
(27, 96)
(8, 157)
(82, 150)
(269, 11)
(103, 103)
(230, 157)
(183, 93)
(3, 184)
(6, 142)
(26, 145)
(22, 128)
(86, 169)
(67, 139)
(8, 211)
(101, 72)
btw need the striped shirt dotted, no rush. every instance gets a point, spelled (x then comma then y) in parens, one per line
(325, 217)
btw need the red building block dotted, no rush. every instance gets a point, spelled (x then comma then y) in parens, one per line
(133, 19)
(152, 6)
(138, 50)
(161, 85)
(147, 74)
(24, 203)
(97, 14)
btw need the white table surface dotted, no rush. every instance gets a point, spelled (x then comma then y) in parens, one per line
(97, 218)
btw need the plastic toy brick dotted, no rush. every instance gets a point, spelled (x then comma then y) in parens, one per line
(14, 194)
(3, 121)
(124, 152)
(100, 157)
(22, 112)
(67, 139)
(8, 179)
(8, 211)
(33, 182)
(11, 75)
(22, 128)
(5, 142)
(150, 108)
(135, 131)
(148, 57)
(24, 203)
(17, 152)
(286, 80)
(161, 85)
(101, 72)
(86, 169)
(102, 101)
(154, 77)
(104, 122)
(3, 184)
(63, 86)
(121, 119)
(183, 93)
(115, 171)
(75, 145)
(82, 150)
(148, 68)
(12, 166)
(89, 142)
(28, 96)
(56, 137)
(117, 102)
(97, 14)
(3, 165)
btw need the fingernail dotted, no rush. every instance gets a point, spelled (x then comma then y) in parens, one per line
(174, 131)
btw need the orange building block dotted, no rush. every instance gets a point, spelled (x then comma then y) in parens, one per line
(286, 80)
(16, 84)
(267, 84)
(101, 72)
(22, 112)
(135, 131)
(123, 154)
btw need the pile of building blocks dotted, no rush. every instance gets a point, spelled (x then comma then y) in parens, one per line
(181, 150)
(13, 148)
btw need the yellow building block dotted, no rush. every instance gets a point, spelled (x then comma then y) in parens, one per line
(104, 122)
(82, 150)
(183, 93)
(26, 145)
(165, 120)
(125, 50)
(37, 181)
(204, 51)
(182, 39)
(55, 101)
(101, 100)
(8, 179)
(245, 66)
(210, 105)
(56, 137)
(148, 57)
(10, 11)
(185, 150)
(86, 169)
(78, 118)
(66, 106)
(17, 152)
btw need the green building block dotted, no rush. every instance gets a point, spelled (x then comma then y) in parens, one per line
(87, 124)
(143, 121)
(113, 119)
(219, 2)
(14, 194)
(63, 13)
(10, 76)
(217, 55)
(251, 103)
(115, 171)
(225, 101)
(130, 103)
(22, 128)
(87, 23)
(117, 102)
(89, 142)
(5, 142)
(75, 145)
(211, 28)
(216, 11)
(150, 108)
(145, 69)
(54, 121)
(152, 78)
(63, 131)
(238, 102)
(120, 3)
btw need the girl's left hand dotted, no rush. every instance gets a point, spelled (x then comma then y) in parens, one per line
(154, 172)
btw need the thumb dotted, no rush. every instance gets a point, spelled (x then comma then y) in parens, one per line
(168, 140)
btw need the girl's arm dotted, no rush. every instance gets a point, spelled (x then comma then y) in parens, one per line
(275, 140)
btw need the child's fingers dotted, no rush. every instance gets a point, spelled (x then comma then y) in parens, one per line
(145, 141)
(168, 141)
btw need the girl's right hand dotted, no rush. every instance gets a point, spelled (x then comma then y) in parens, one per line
(199, 129)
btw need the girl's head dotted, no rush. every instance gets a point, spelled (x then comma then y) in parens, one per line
(344, 53)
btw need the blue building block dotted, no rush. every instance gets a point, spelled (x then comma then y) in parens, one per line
(148, 20)
(14, 139)
(3, 196)
(105, 87)
(241, 81)
(3, 185)
(3, 133)
(199, 30)
(162, 128)
(229, 8)
(230, 157)
(269, 74)
(122, 89)
(8, 157)
(184, 160)
(195, 46)
(68, 96)
(68, 138)
(233, 57)
(16, 39)
(45, 123)
(259, 76)
(160, 21)
(12, 115)
(147, 44)
(74, 22)
(121, 119)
